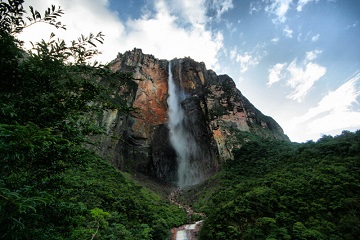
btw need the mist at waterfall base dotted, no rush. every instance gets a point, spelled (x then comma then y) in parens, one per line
(182, 140)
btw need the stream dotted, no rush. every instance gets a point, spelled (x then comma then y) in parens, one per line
(188, 231)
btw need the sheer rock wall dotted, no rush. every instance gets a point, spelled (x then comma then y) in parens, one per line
(213, 108)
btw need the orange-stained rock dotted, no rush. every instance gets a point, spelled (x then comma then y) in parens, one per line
(220, 139)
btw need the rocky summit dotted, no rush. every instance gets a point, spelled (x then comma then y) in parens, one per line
(214, 111)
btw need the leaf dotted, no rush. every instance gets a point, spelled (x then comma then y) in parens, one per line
(92, 43)
(38, 15)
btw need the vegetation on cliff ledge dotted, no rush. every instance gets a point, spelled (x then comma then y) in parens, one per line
(51, 187)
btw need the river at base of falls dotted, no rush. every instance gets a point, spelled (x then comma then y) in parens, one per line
(187, 232)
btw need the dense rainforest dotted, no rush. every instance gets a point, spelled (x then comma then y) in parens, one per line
(52, 186)
(282, 190)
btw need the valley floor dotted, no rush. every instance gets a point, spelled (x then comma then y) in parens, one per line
(189, 231)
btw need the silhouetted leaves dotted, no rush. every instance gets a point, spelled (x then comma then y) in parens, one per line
(12, 20)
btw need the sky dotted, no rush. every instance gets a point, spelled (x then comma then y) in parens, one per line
(297, 61)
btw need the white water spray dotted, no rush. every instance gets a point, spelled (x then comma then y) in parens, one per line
(182, 141)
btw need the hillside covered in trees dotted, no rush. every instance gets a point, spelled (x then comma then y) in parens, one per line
(280, 190)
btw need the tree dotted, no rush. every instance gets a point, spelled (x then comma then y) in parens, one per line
(48, 99)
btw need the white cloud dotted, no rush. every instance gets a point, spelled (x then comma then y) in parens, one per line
(255, 6)
(233, 53)
(302, 78)
(337, 101)
(173, 40)
(302, 3)
(299, 37)
(220, 7)
(288, 32)
(168, 31)
(315, 38)
(241, 79)
(278, 8)
(230, 26)
(352, 25)
(335, 123)
(332, 114)
(311, 55)
(251, 58)
(192, 12)
(299, 77)
(165, 37)
(275, 40)
(246, 60)
(276, 73)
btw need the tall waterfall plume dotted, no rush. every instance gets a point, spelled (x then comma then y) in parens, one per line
(183, 142)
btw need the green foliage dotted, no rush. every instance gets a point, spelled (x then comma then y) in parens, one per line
(279, 190)
(102, 187)
(217, 110)
(51, 187)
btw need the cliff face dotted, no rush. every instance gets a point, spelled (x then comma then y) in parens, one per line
(214, 110)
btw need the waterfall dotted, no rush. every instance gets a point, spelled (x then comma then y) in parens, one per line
(181, 139)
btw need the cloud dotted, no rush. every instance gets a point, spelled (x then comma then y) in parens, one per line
(332, 114)
(246, 60)
(167, 31)
(275, 40)
(337, 101)
(276, 73)
(315, 38)
(287, 32)
(173, 40)
(302, 78)
(233, 53)
(352, 25)
(299, 77)
(188, 12)
(311, 55)
(230, 26)
(255, 6)
(278, 8)
(299, 37)
(302, 3)
(220, 7)
(251, 58)
(335, 122)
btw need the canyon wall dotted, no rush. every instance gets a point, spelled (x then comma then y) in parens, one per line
(215, 112)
